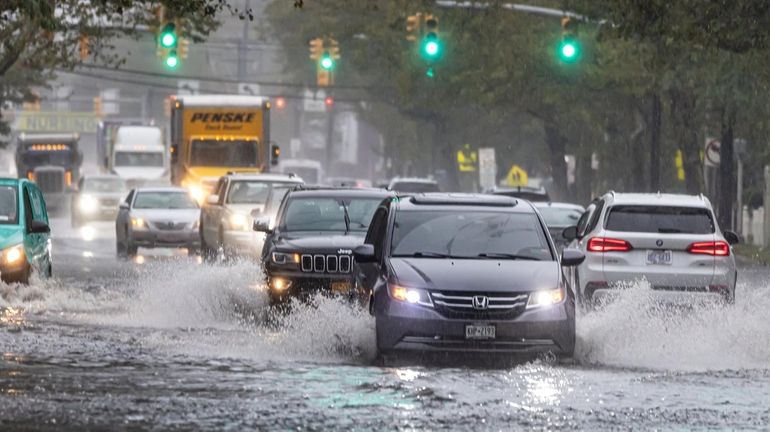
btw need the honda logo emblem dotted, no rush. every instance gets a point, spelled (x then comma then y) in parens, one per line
(480, 302)
(659, 243)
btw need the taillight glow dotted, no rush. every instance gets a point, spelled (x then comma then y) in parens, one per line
(713, 248)
(605, 244)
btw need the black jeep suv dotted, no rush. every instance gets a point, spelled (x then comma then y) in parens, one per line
(309, 247)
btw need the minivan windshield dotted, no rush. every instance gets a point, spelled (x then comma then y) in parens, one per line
(164, 200)
(660, 219)
(9, 206)
(469, 234)
(328, 213)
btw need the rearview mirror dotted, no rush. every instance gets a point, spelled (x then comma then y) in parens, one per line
(212, 199)
(569, 233)
(38, 227)
(364, 253)
(572, 257)
(262, 224)
(731, 237)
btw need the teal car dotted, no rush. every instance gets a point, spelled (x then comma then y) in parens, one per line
(25, 237)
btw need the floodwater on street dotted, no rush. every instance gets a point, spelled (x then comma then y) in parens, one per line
(165, 342)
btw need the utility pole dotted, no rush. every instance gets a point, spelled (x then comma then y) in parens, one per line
(242, 48)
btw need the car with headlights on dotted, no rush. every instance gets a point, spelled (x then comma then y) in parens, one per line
(97, 199)
(671, 241)
(466, 273)
(309, 244)
(228, 214)
(25, 243)
(164, 217)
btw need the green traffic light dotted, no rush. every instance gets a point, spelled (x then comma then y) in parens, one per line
(172, 61)
(431, 47)
(167, 40)
(327, 62)
(430, 73)
(569, 51)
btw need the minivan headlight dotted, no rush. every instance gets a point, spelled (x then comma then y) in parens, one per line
(409, 295)
(239, 222)
(543, 298)
(13, 254)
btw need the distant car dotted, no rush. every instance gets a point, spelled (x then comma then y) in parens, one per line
(25, 243)
(672, 241)
(348, 182)
(97, 198)
(557, 216)
(413, 185)
(228, 214)
(465, 273)
(309, 245)
(532, 194)
(157, 218)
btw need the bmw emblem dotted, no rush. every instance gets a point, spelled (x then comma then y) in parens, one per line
(659, 243)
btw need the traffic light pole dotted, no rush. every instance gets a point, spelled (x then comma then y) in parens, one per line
(515, 7)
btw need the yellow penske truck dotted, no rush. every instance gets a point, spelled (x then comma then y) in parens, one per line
(212, 135)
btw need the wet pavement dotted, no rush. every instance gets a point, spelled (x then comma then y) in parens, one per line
(165, 342)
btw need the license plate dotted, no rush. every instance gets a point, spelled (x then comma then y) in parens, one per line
(479, 332)
(340, 287)
(659, 257)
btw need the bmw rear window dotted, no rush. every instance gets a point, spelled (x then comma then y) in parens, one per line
(660, 219)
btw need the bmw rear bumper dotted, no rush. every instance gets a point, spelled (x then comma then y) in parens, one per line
(405, 327)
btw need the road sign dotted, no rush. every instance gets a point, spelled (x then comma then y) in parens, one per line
(467, 159)
(54, 121)
(315, 101)
(250, 89)
(517, 176)
(679, 164)
(711, 154)
(487, 168)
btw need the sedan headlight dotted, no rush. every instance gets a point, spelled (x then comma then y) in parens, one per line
(88, 204)
(238, 222)
(285, 258)
(138, 223)
(13, 254)
(409, 295)
(543, 298)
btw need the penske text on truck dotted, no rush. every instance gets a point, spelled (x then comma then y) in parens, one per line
(212, 135)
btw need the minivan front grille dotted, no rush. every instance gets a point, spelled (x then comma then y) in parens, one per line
(489, 305)
(320, 263)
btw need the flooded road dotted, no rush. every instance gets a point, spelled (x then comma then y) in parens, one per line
(168, 343)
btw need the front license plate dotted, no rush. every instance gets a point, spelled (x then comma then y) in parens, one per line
(340, 287)
(479, 332)
(659, 257)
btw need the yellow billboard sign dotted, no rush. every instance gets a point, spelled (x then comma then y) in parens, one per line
(54, 121)
(230, 121)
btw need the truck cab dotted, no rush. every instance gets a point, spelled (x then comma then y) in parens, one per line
(52, 161)
(138, 155)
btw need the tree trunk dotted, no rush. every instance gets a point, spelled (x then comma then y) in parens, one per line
(637, 161)
(556, 146)
(727, 181)
(655, 131)
(446, 158)
(584, 177)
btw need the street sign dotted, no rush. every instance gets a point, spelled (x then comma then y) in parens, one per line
(54, 121)
(487, 168)
(711, 153)
(110, 101)
(679, 164)
(249, 89)
(467, 159)
(517, 176)
(188, 87)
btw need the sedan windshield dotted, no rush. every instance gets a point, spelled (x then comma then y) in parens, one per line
(328, 214)
(248, 192)
(164, 200)
(9, 207)
(469, 234)
(104, 185)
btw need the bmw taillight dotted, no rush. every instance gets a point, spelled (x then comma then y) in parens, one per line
(713, 248)
(605, 244)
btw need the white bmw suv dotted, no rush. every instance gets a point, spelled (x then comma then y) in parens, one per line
(672, 241)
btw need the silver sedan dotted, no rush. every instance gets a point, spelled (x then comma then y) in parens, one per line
(157, 218)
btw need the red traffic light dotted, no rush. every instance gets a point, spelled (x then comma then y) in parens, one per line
(280, 103)
(329, 101)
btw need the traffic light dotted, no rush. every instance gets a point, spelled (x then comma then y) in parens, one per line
(83, 47)
(275, 154)
(168, 37)
(98, 105)
(329, 101)
(325, 53)
(280, 103)
(569, 48)
(326, 61)
(431, 44)
(183, 46)
(413, 27)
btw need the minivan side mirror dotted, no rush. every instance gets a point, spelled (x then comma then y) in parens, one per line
(123, 206)
(364, 253)
(262, 224)
(38, 227)
(731, 237)
(570, 233)
(572, 257)
(212, 199)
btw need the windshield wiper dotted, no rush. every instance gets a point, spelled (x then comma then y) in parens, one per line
(347, 216)
(493, 255)
(427, 255)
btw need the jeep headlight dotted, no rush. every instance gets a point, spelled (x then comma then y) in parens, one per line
(238, 222)
(13, 254)
(543, 298)
(88, 204)
(285, 258)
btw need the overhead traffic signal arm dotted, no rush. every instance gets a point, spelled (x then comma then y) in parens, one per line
(569, 48)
